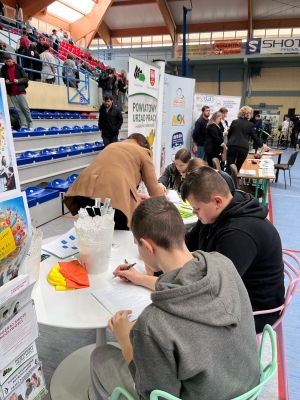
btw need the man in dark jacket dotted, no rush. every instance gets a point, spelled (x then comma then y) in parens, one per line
(107, 81)
(236, 226)
(199, 134)
(16, 82)
(110, 121)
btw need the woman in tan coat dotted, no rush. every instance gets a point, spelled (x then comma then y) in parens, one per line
(116, 174)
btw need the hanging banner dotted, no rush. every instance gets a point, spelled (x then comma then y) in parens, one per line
(215, 102)
(9, 178)
(276, 45)
(216, 48)
(177, 116)
(143, 99)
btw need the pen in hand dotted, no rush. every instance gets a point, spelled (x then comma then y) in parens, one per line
(125, 269)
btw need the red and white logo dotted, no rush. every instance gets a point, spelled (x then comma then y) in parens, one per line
(152, 77)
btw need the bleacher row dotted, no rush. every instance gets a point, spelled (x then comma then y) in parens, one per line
(54, 130)
(59, 115)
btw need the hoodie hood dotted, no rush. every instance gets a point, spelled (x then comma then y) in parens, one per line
(204, 290)
(244, 205)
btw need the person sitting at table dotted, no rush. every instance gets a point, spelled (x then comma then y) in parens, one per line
(214, 138)
(187, 342)
(236, 225)
(238, 139)
(115, 174)
(174, 173)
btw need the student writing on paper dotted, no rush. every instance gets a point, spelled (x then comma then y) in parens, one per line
(174, 173)
(182, 343)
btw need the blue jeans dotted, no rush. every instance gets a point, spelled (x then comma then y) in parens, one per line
(201, 153)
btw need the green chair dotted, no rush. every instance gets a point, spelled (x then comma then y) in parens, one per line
(266, 373)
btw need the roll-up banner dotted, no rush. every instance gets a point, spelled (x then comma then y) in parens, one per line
(177, 116)
(143, 99)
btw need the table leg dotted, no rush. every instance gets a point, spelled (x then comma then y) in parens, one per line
(256, 188)
(266, 185)
(277, 171)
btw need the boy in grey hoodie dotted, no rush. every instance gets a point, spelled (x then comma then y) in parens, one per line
(197, 338)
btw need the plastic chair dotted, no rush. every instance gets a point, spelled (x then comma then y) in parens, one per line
(72, 177)
(287, 166)
(293, 275)
(216, 164)
(266, 373)
(244, 188)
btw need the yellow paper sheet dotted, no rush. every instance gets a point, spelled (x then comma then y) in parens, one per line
(7, 243)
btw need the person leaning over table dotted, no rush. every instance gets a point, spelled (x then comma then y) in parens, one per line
(235, 225)
(196, 340)
(238, 138)
(174, 173)
(116, 174)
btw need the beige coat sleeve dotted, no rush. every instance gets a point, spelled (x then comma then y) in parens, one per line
(149, 177)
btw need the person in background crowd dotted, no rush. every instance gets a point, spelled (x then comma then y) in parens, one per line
(118, 169)
(108, 81)
(238, 138)
(28, 25)
(18, 15)
(122, 86)
(60, 35)
(258, 128)
(266, 127)
(174, 173)
(1, 9)
(54, 39)
(36, 65)
(65, 37)
(115, 90)
(199, 134)
(2, 47)
(71, 41)
(110, 121)
(47, 58)
(224, 124)
(69, 68)
(286, 124)
(214, 138)
(40, 45)
(16, 81)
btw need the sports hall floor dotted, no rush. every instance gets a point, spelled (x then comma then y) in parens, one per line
(54, 344)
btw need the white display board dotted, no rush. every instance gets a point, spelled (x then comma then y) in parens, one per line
(177, 118)
(215, 102)
(143, 99)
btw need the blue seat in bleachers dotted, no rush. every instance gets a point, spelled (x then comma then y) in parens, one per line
(31, 201)
(67, 115)
(98, 146)
(65, 129)
(22, 159)
(74, 150)
(84, 116)
(53, 130)
(47, 115)
(57, 115)
(87, 148)
(17, 134)
(86, 128)
(42, 195)
(94, 128)
(59, 184)
(72, 177)
(42, 156)
(76, 115)
(39, 131)
(60, 152)
(76, 129)
(35, 114)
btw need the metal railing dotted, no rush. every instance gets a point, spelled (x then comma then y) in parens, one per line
(83, 91)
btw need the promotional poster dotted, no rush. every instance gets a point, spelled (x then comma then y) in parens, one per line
(143, 99)
(9, 178)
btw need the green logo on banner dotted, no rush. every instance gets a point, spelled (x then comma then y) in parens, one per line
(142, 77)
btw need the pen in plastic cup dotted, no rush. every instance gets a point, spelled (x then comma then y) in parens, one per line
(125, 269)
(97, 206)
(105, 207)
(90, 211)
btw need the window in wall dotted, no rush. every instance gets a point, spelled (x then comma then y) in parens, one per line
(157, 41)
(136, 41)
(217, 36)
(205, 37)
(296, 32)
(147, 41)
(193, 38)
(102, 44)
(241, 34)
(271, 33)
(116, 42)
(126, 42)
(285, 32)
(259, 33)
(167, 41)
(228, 35)
(69, 14)
(43, 26)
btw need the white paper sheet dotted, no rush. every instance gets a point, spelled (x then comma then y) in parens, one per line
(63, 247)
(124, 296)
(173, 196)
(247, 172)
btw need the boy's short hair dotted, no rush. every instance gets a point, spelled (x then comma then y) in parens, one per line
(7, 56)
(159, 220)
(202, 183)
(108, 97)
(46, 46)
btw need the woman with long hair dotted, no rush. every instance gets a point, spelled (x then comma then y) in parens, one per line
(115, 174)
(122, 86)
(238, 138)
(214, 138)
(174, 173)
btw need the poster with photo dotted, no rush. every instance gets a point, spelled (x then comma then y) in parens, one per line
(15, 236)
(9, 177)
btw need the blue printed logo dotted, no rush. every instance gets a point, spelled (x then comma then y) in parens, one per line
(253, 46)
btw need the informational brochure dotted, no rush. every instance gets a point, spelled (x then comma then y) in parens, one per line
(9, 177)
(10, 307)
(18, 334)
(63, 247)
(15, 235)
(121, 296)
(13, 287)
